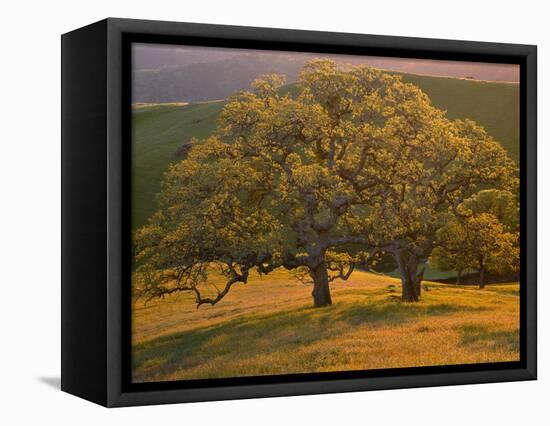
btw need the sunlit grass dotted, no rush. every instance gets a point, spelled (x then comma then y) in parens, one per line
(269, 326)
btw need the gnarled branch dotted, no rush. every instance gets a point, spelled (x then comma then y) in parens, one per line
(341, 274)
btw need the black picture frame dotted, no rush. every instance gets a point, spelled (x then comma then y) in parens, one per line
(96, 249)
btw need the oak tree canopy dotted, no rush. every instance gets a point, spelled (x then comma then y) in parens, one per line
(319, 178)
(482, 236)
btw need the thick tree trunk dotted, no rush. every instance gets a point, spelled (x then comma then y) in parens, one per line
(482, 277)
(410, 281)
(458, 277)
(408, 290)
(321, 289)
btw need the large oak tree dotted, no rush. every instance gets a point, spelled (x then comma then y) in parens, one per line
(318, 179)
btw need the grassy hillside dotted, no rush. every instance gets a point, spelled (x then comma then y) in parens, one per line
(493, 105)
(269, 327)
(160, 130)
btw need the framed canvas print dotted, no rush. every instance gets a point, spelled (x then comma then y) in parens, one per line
(252, 212)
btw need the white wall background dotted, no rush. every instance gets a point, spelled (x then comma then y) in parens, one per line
(30, 211)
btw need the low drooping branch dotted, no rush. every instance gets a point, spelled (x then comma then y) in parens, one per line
(188, 278)
(234, 277)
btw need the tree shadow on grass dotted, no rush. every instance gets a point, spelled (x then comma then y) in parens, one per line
(394, 312)
(483, 335)
(241, 332)
(289, 330)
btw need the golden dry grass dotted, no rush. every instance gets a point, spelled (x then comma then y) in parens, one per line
(268, 326)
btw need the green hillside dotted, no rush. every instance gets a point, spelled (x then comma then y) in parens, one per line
(493, 105)
(159, 130)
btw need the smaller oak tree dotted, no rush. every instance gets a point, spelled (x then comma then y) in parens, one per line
(482, 236)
